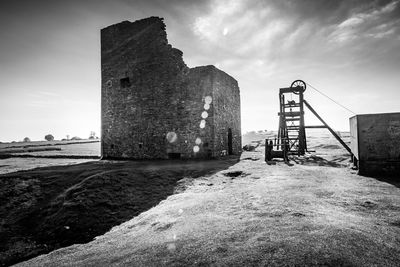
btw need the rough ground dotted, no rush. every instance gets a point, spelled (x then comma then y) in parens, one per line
(307, 213)
(47, 208)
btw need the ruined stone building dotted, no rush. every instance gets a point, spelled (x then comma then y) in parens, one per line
(154, 106)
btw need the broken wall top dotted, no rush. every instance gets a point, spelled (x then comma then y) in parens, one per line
(146, 41)
(141, 42)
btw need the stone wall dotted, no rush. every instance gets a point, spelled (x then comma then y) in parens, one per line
(152, 103)
(226, 114)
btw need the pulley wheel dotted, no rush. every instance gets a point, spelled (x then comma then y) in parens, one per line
(298, 83)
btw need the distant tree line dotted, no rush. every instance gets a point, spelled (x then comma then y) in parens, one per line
(49, 137)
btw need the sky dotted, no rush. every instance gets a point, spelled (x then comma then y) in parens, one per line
(347, 49)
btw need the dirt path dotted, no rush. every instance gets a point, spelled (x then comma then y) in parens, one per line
(256, 214)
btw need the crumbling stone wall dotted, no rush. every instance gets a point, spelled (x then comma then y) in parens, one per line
(153, 105)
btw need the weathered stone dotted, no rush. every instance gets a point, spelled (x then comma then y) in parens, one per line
(154, 106)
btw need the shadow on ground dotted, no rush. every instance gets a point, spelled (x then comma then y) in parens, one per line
(47, 208)
(390, 179)
(314, 160)
(311, 160)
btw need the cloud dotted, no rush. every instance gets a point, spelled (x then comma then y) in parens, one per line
(253, 24)
(376, 23)
(262, 43)
(214, 24)
(48, 93)
(351, 22)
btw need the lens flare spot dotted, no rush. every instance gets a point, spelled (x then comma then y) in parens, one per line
(202, 124)
(204, 115)
(208, 99)
(171, 247)
(198, 141)
(171, 137)
(206, 106)
(196, 149)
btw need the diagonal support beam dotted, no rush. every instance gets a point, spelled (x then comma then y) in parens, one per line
(329, 128)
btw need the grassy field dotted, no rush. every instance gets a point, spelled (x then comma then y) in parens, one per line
(72, 148)
(314, 211)
(322, 141)
(12, 154)
(306, 213)
(48, 208)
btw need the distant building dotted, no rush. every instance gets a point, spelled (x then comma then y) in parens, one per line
(154, 106)
(375, 143)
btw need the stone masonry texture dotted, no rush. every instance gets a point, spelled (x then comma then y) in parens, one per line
(155, 107)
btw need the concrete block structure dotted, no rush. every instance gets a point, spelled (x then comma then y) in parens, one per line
(155, 107)
(375, 143)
